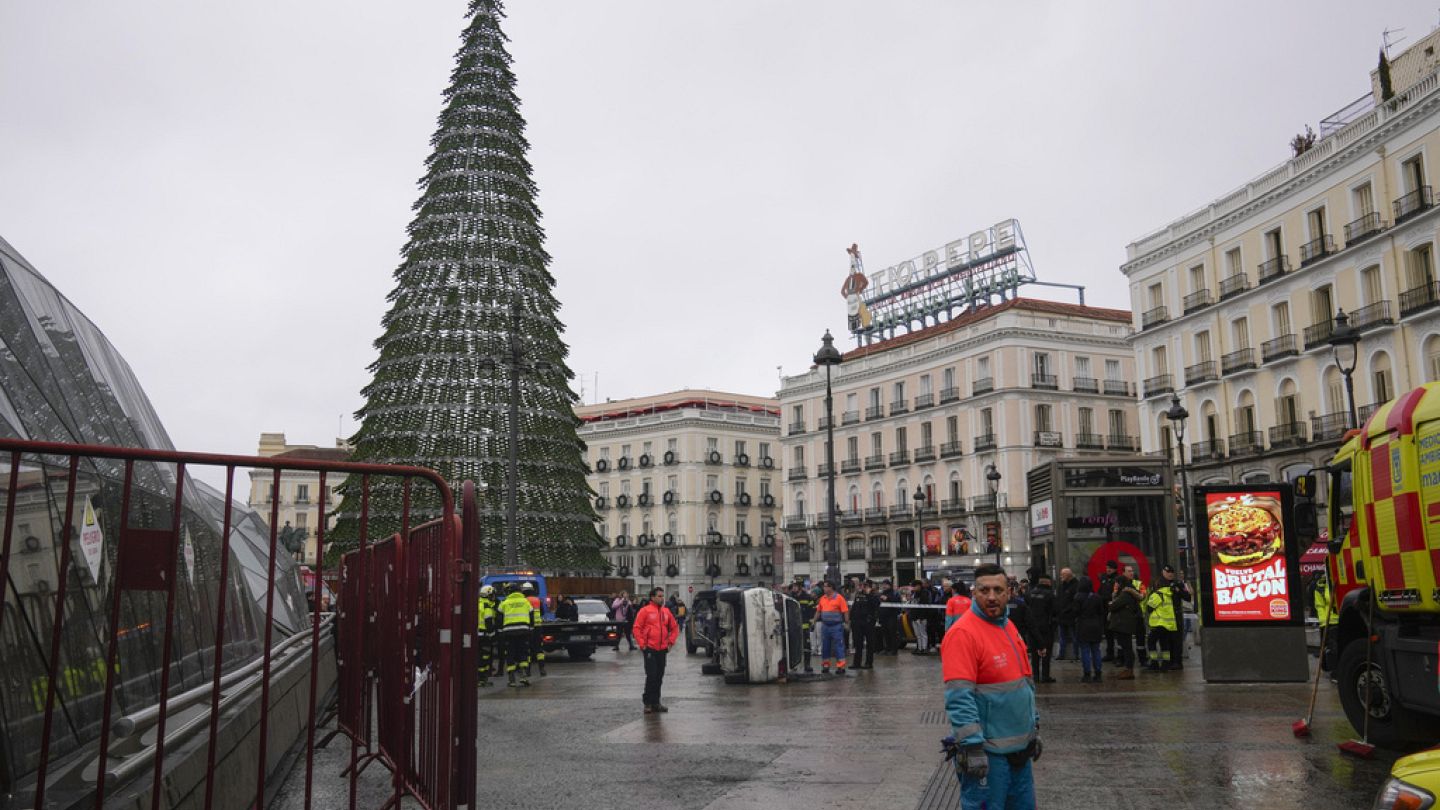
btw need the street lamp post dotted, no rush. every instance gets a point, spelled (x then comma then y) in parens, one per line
(1177, 416)
(830, 356)
(1344, 344)
(920, 500)
(992, 475)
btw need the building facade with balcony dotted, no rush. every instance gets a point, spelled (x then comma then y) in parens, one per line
(1235, 303)
(1012, 385)
(687, 487)
(302, 503)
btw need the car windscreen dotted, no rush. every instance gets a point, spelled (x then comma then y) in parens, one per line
(591, 608)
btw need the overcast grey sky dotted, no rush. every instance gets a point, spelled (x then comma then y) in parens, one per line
(224, 187)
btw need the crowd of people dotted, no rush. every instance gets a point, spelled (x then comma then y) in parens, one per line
(624, 608)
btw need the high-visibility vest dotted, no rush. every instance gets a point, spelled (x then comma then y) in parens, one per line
(1324, 605)
(1161, 607)
(488, 615)
(535, 614)
(515, 613)
(832, 609)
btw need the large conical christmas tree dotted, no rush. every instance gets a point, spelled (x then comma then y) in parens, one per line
(472, 297)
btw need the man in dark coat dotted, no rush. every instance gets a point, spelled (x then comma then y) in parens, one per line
(1042, 616)
(1068, 609)
(1107, 593)
(890, 619)
(864, 613)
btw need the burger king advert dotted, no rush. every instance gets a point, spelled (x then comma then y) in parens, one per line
(1248, 566)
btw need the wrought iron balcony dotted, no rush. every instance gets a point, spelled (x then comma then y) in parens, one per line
(875, 514)
(1372, 316)
(1089, 441)
(850, 465)
(851, 517)
(899, 458)
(900, 510)
(985, 441)
(1154, 317)
(982, 385)
(796, 473)
(1283, 346)
(1238, 360)
(875, 462)
(1159, 384)
(950, 394)
(874, 412)
(982, 503)
(1234, 285)
(797, 427)
(1317, 248)
(1319, 334)
(898, 407)
(850, 417)
(796, 521)
(1409, 205)
(1330, 427)
(1208, 371)
(1048, 382)
(1289, 434)
(1419, 298)
(823, 470)
(1363, 228)
(823, 423)
(1119, 388)
(1271, 269)
(952, 506)
(1208, 450)
(951, 449)
(924, 401)
(1247, 443)
(1129, 444)
(1085, 385)
(1198, 300)
(1367, 411)
(925, 453)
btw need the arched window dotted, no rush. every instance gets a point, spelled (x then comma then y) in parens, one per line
(1287, 405)
(877, 496)
(1432, 358)
(854, 499)
(929, 486)
(957, 488)
(1382, 380)
(902, 492)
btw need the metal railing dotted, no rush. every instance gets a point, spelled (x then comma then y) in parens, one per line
(982, 385)
(875, 462)
(874, 412)
(1247, 443)
(1047, 382)
(1202, 372)
(1118, 388)
(898, 407)
(1089, 441)
(1271, 269)
(796, 428)
(1198, 300)
(925, 453)
(899, 458)
(796, 473)
(1234, 285)
(1288, 434)
(985, 441)
(1236, 361)
(1317, 248)
(1329, 427)
(1130, 444)
(1419, 298)
(1318, 334)
(1154, 317)
(850, 417)
(951, 449)
(1408, 205)
(1283, 346)
(952, 505)
(1372, 316)
(1207, 450)
(1085, 385)
(850, 465)
(924, 401)
(1363, 228)
(949, 394)
(1159, 384)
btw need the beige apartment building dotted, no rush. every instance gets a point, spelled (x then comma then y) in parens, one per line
(1010, 386)
(302, 504)
(687, 487)
(1235, 303)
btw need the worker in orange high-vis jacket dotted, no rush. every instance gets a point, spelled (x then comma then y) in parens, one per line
(957, 604)
(834, 614)
(990, 699)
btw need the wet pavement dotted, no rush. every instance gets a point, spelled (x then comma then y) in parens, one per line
(578, 739)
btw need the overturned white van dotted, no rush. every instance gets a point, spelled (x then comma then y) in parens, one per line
(758, 636)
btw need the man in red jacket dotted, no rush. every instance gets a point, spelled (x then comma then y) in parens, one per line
(655, 632)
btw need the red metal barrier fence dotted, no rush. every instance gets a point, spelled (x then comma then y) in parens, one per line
(183, 647)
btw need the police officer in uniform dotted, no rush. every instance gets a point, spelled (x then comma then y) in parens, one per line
(807, 621)
(489, 624)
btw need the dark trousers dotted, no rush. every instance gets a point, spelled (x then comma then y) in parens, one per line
(625, 633)
(1124, 650)
(1109, 644)
(654, 675)
(517, 650)
(486, 649)
(864, 645)
(891, 631)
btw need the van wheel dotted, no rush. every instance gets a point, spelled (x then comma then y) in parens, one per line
(1391, 725)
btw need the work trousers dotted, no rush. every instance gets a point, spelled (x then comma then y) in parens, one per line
(864, 644)
(1160, 646)
(832, 644)
(517, 649)
(654, 675)
(485, 650)
(1003, 788)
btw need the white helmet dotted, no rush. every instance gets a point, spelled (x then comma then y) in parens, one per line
(526, 587)
(487, 590)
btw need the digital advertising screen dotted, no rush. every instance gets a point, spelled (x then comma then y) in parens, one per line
(1249, 561)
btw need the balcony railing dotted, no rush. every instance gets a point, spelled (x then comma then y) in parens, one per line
(982, 503)
(1419, 298)
(1318, 334)
(879, 552)
(900, 510)
(1208, 450)
(850, 465)
(924, 401)
(1330, 427)
(951, 449)
(850, 417)
(796, 473)
(1247, 443)
(949, 394)
(1234, 285)
(851, 517)
(1363, 228)
(982, 385)
(796, 521)
(1159, 384)
(1409, 205)
(898, 407)
(1289, 434)
(797, 427)
(1238, 360)
(1207, 371)
(823, 423)
(1154, 317)
(1089, 441)
(875, 514)
(875, 462)
(1283, 346)
(1049, 438)
(874, 412)
(1317, 248)
(925, 453)
(1085, 385)
(1118, 388)
(1367, 411)
(899, 458)
(1198, 300)
(1048, 382)
(985, 441)
(1271, 269)
(1372, 316)
(823, 470)
(1129, 444)
(952, 506)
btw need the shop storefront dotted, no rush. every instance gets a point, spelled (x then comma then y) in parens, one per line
(1086, 512)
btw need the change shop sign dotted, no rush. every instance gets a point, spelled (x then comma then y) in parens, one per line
(1250, 564)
